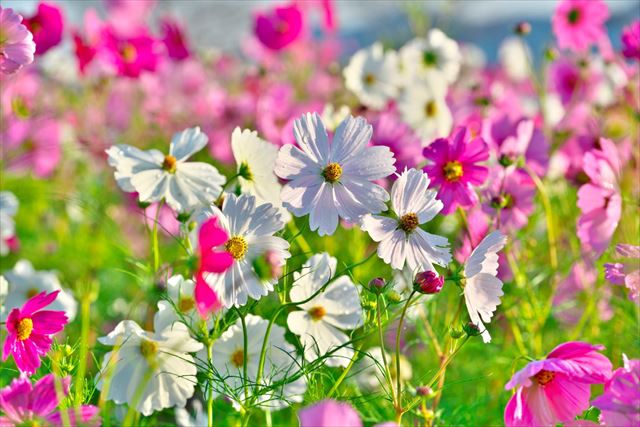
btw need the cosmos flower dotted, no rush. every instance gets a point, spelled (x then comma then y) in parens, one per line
(435, 54)
(515, 58)
(631, 41)
(8, 210)
(129, 55)
(29, 331)
(577, 24)
(627, 274)
(556, 389)
(401, 238)
(509, 194)
(323, 318)
(390, 131)
(423, 106)
(16, 44)
(33, 145)
(333, 179)
(620, 403)
(24, 403)
(184, 186)
(174, 39)
(251, 227)
(199, 419)
(329, 413)
(279, 27)
(373, 76)
(455, 170)
(149, 371)
(46, 26)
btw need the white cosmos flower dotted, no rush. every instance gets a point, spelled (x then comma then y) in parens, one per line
(332, 117)
(482, 290)
(280, 363)
(320, 323)
(8, 210)
(184, 418)
(435, 56)
(251, 227)
(373, 76)
(401, 238)
(180, 292)
(370, 374)
(150, 371)
(423, 107)
(156, 176)
(25, 282)
(328, 180)
(515, 58)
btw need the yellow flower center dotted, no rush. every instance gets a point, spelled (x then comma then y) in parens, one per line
(186, 304)
(237, 247)
(369, 79)
(317, 313)
(148, 349)
(32, 292)
(544, 377)
(431, 109)
(129, 52)
(332, 172)
(237, 358)
(452, 170)
(408, 222)
(169, 163)
(25, 326)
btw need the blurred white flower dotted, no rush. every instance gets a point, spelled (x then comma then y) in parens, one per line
(324, 317)
(328, 180)
(515, 58)
(8, 210)
(184, 419)
(435, 56)
(155, 176)
(182, 306)
(373, 76)
(332, 117)
(369, 372)
(424, 108)
(25, 282)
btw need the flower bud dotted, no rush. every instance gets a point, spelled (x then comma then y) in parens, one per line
(522, 28)
(376, 285)
(183, 217)
(143, 205)
(456, 333)
(424, 390)
(428, 282)
(471, 329)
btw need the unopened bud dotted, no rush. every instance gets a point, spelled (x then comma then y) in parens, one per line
(183, 217)
(376, 285)
(471, 329)
(424, 391)
(428, 282)
(456, 333)
(522, 28)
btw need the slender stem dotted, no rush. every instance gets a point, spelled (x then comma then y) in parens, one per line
(432, 335)
(551, 229)
(465, 222)
(85, 309)
(156, 252)
(398, 376)
(245, 344)
(299, 237)
(387, 374)
(342, 376)
(210, 397)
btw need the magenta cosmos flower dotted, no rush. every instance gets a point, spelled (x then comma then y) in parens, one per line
(174, 39)
(620, 403)
(631, 41)
(16, 42)
(130, 55)
(577, 24)
(556, 389)
(390, 131)
(210, 236)
(46, 25)
(455, 168)
(511, 194)
(626, 274)
(329, 413)
(30, 329)
(279, 27)
(26, 404)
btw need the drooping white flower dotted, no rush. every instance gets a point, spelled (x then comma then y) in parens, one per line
(370, 374)
(251, 227)
(323, 318)
(150, 371)
(199, 419)
(423, 107)
(401, 238)
(280, 363)
(482, 289)
(373, 76)
(25, 282)
(328, 180)
(433, 56)
(515, 58)
(8, 210)
(155, 176)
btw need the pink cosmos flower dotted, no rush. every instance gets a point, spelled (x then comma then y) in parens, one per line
(390, 131)
(577, 24)
(46, 26)
(32, 145)
(626, 274)
(455, 168)
(174, 39)
(279, 27)
(24, 403)
(631, 41)
(30, 329)
(511, 194)
(130, 55)
(556, 389)
(566, 301)
(599, 201)
(16, 42)
(329, 413)
(210, 236)
(620, 402)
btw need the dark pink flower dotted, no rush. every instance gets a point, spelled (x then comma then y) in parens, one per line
(279, 27)
(566, 80)
(428, 282)
(47, 26)
(390, 131)
(24, 403)
(174, 39)
(16, 42)
(626, 274)
(29, 331)
(455, 170)
(631, 41)
(577, 24)
(511, 194)
(329, 413)
(129, 55)
(620, 403)
(556, 389)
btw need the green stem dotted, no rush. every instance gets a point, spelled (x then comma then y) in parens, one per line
(398, 376)
(342, 376)
(551, 229)
(210, 397)
(156, 252)
(387, 374)
(85, 309)
(299, 237)
(245, 344)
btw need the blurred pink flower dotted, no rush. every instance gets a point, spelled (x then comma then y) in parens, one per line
(127, 17)
(566, 80)
(129, 55)
(16, 44)
(32, 145)
(454, 168)
(279, 27)
(626, 274)
(581, 278)
(510, 193)
(620, 403)
(174, 39)
(631, 40)
(390, 131)
(577, 24)
(329, 413)
(46, 26)
(556, 389)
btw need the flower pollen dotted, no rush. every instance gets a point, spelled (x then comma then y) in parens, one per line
(148, 348)
(317, 312)
(237, 358)
(129, 52)
(408, 222)
(544, 377)
(31, 292)
(186, 304)
(169, 163)
(332, 172)
(237, 247)
(369, 79)
(452, 171)
(24, 328)
(431, 109)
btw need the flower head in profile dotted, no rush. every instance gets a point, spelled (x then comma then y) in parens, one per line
(175, 40)
(577, 24)
(24, 403)
(279, 27)
(401, 238)
(556, 389)
(620, 403)
(627, 274)
(29, 331)
(155, 176)
(16, 42)
(329, 413)
(435, 54)
(328, 180)
(455, 168)
(631, 40)
(322, 319)
(46, 26)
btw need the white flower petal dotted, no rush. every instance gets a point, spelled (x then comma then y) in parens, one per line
(186, 143)
(312, 138)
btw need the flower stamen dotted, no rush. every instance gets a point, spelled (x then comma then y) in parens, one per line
(408, 222)
(452, 171)
(237, 247)
(544, 377)
(169, 163)
(317, 312)
(24, 328)
(431, 109)
(332, 172)
(237, 358)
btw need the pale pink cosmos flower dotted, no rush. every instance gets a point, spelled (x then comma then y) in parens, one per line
(556, 389)
(24, 403)
(16, 42)
(389, 130)
(279, 27)
(627, 274)
(32, 145)
(29, 331)
(329, 413)
(511, 194)
(631, 41)
(577, 24)
(620, 403)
